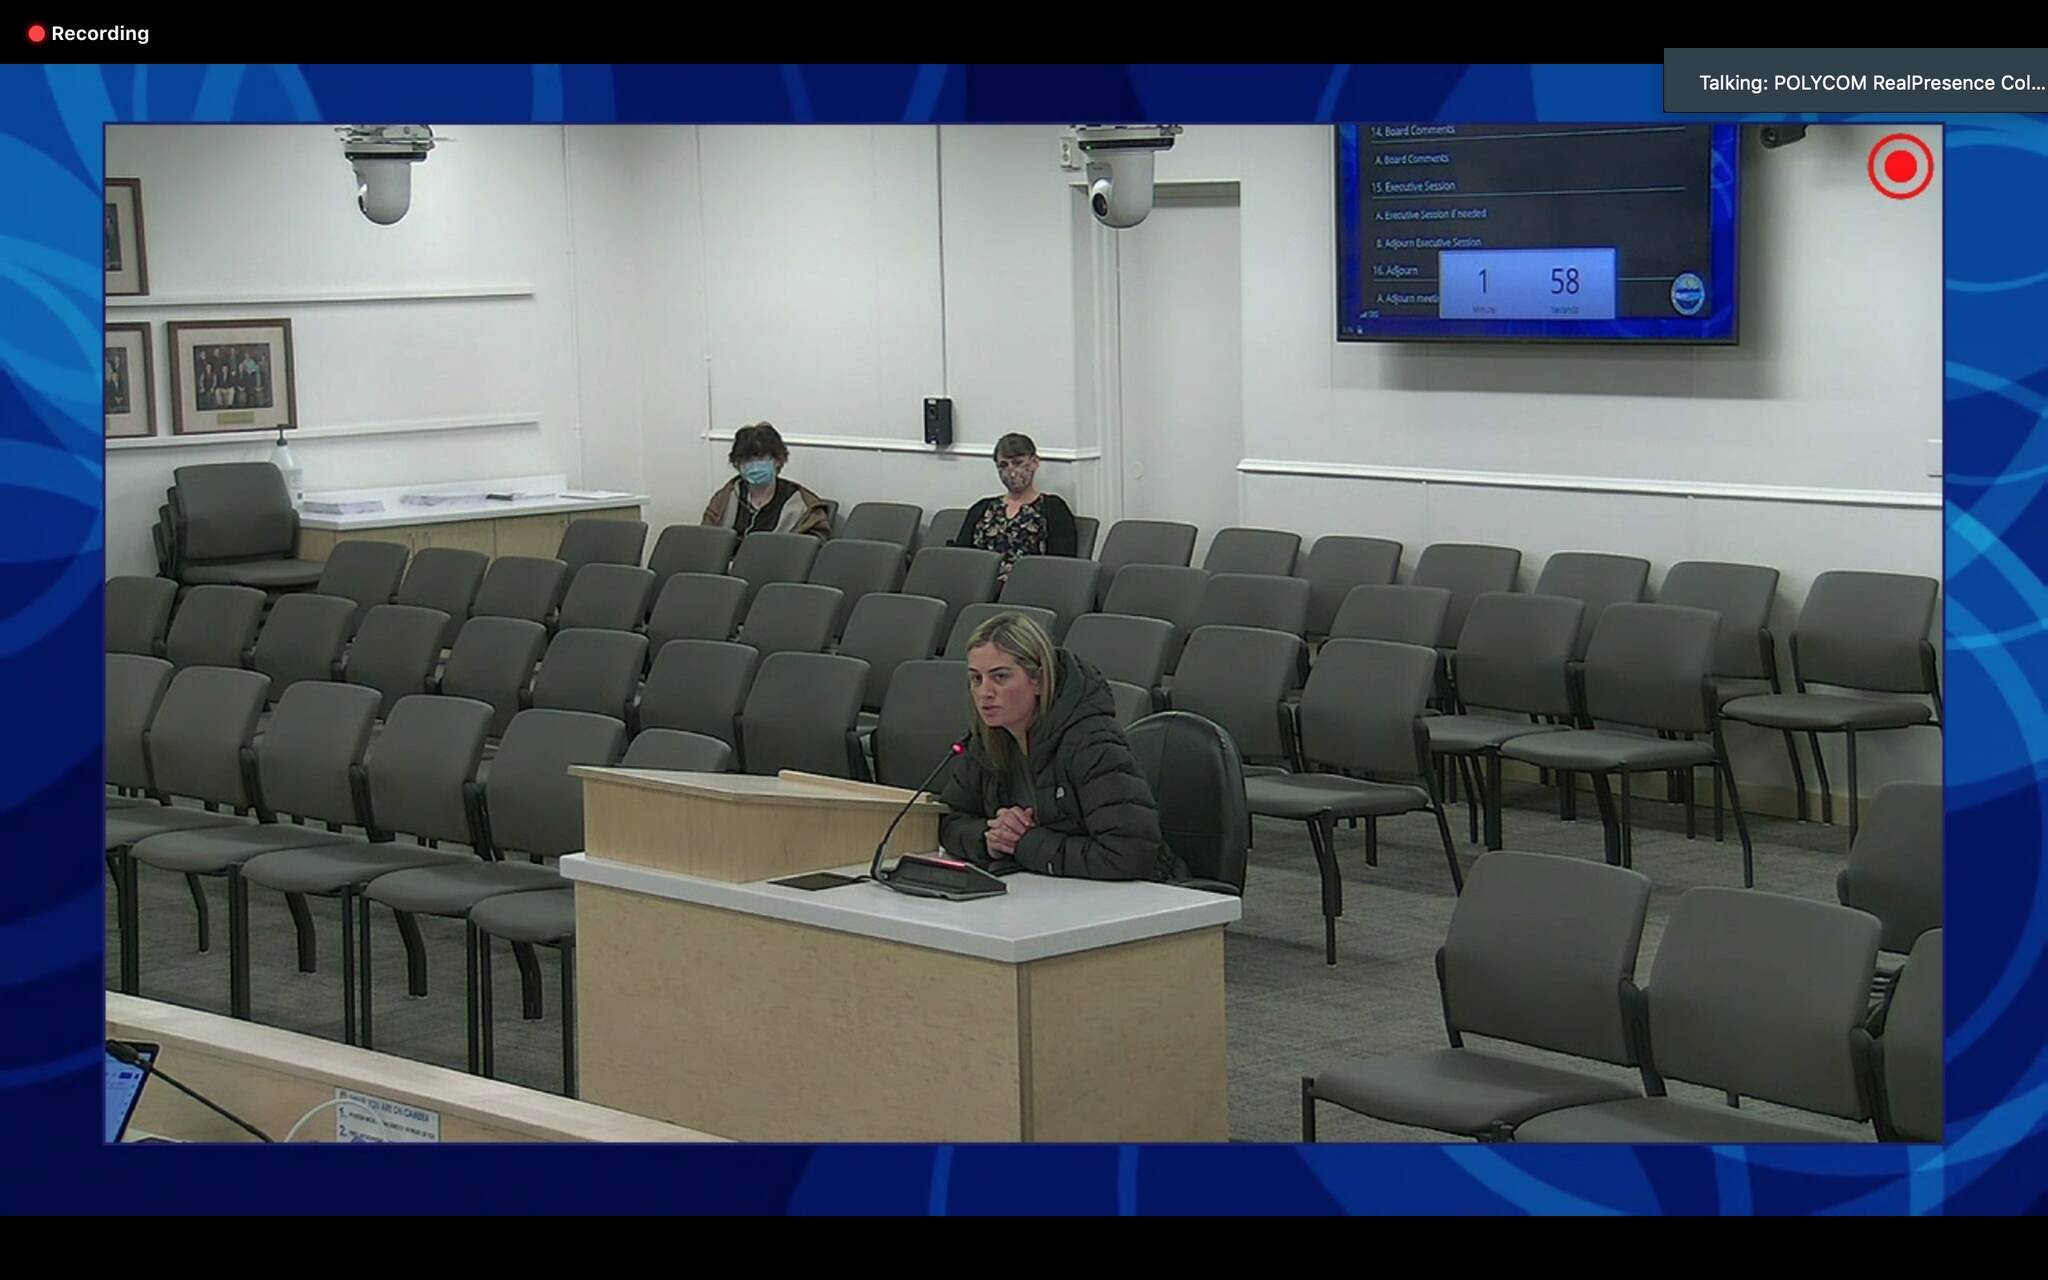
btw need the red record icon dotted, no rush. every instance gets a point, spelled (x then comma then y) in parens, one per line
(1901, 166)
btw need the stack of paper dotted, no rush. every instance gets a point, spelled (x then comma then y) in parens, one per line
(442, 499)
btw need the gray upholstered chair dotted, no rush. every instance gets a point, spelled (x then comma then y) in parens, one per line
(532, 806)
(1085, 530)
(1237, 678)
(856, 568)
(445, 578)
(1063, 584)
(305, 760)
(1536, 954)
(1339, 562)
(888, 630)
(1650, 668)
(303, 639)
(365, 572)
(675, 751)
(958, 575)
(135, 688)
(1254, 600)
(1752, 994)
(199, 746)
(534, 918)
(773, 557)
(598, 540)
(1143, 542)
(1361, 712)
(493, 661)
(945, 526)
(1894, 869)
(691, 548)
(698, 686)
(589, 670)
(1197, 780)
(1867, 632)
(1262, 551)
(795, 617)
(139, 614)
(214, 627)
(1168, 592)
(1743, 594)
(232, 523)
(1596, 580)
(695, 606)
(609, 597)
(1513, 660)
(928, 708)
(418, 778)
(1395, 614)
(1123, 647)
(1904, 1066)
(520, 587)
(803, 713)
(1467, 570)
(395, 651)
(893, 522)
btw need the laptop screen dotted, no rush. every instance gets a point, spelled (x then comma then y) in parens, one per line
(124, 1088)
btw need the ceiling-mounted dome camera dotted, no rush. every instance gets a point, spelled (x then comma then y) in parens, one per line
(1119, 169)
(383, 156)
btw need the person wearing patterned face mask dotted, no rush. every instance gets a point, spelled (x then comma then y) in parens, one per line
(759, 499)
(1023, 521)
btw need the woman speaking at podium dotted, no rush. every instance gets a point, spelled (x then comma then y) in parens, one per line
(1048, 779)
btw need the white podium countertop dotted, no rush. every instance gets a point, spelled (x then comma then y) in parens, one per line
(1040, 916)
(460, 500)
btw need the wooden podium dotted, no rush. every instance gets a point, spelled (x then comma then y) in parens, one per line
(711, 997)
(734, 826)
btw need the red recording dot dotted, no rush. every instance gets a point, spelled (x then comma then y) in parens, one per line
(1901, 165)
(36, 33)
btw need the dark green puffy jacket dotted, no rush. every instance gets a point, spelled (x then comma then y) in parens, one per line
(1096, 817)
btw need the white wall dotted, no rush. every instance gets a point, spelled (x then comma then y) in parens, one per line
(240, 216)
(902, 263)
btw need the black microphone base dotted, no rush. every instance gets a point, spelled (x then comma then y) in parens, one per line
(928, 877)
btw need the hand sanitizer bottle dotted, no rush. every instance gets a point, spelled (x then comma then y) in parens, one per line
(294, 478)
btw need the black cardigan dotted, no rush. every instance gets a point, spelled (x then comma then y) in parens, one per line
(1061, 537)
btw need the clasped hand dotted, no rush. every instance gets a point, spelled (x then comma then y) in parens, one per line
(1007, 828)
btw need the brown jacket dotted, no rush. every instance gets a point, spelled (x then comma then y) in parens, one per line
(802, 511)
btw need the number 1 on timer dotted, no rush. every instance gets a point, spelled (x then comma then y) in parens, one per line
(1482, 282)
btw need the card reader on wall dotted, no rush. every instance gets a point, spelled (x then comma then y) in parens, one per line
(938, 422)
(931, 876)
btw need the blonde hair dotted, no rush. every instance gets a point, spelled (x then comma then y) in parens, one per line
(1028, 645)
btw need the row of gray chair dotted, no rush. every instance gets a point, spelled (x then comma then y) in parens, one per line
(191, 735)
(1752, 994)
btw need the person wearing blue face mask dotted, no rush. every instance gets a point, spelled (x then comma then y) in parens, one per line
(759, 498)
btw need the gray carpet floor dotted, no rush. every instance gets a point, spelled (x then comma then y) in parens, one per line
(1288, 1013)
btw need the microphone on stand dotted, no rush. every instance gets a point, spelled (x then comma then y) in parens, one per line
(925, 876)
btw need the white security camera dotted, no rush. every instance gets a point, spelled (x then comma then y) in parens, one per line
(383, 157)
(1119, 169)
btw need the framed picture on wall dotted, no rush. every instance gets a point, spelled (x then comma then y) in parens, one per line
(231, 375)
(130, 382)
(127, 267)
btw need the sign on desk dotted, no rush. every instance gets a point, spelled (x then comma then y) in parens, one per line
(363, 1117)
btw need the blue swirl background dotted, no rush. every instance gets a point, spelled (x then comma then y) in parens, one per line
(51, 567)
